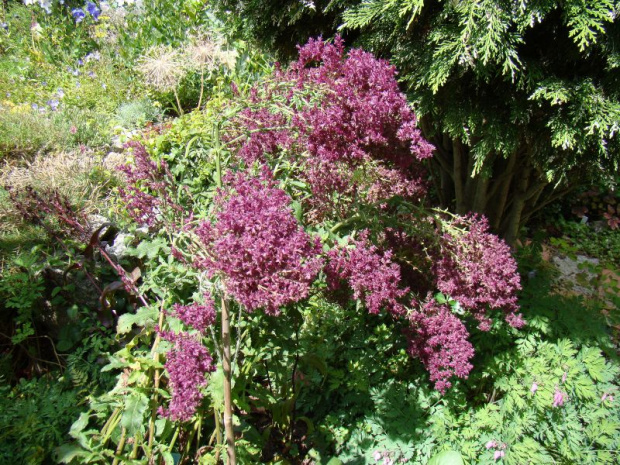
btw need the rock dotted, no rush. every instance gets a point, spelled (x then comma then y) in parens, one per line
(118, 249)
(575, 273)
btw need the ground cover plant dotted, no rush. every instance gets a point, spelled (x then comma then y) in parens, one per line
(233, 260)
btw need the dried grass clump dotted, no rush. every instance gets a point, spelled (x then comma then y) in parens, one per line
(69, 173)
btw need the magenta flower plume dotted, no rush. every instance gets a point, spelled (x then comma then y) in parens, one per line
(478, 270)
(359, 116)
(187, 364)
(373, 276)
(265, 258)
(197, 316)
(146, 194)
(439, 339)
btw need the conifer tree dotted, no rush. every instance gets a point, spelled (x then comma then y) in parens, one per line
(520, 98)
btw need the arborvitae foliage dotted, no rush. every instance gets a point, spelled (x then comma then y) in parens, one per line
(521, 99)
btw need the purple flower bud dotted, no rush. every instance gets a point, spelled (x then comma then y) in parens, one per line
(534, 388)
(498, 454)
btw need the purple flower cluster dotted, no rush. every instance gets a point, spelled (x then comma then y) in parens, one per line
(361, 117)
(198, 316)
(373, 276)
(478, 271)
(79, 15)
(265, 258)
(187, 364)
(439, 339)
(146, 194)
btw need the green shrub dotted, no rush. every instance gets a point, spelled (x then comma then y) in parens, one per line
(137, 113)
(36, 415)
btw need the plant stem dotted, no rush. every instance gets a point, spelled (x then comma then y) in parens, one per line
(202, 86)
(176, 96)
(121, 446)
(155, 383)
(228, 426)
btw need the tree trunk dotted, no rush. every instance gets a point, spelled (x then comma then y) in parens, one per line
(512, 219)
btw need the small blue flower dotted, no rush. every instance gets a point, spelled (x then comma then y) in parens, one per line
(5, 26)
(60, 93)
(78, 14)
(53, 104)
(92, 56)
(92, 74)
(44, 83)
(34, 106)
(80, 62)
(93, 10)
(104, 85)
(77, 84)
(75, 72)
(8, 94)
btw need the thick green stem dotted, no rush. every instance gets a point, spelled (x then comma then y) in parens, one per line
(228, 425)
(218, 155)
(202, 86)
(176, 96)
(121, 446)
(157, 376)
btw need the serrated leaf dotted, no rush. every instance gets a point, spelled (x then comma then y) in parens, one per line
(142, 317)
(216, 389)
(136, 405)
(594, 363)
(150, 249)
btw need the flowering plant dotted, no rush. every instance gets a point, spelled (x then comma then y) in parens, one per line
(312, 188)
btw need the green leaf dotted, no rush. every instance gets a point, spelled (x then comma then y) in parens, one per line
(136, 405)
(67, 452)
(150, 249)
(334, 461)
(143, 317)
(447, 457)
(78, 426)
(216, 389)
